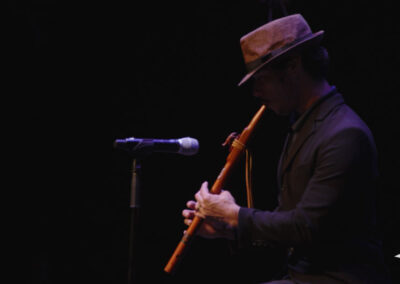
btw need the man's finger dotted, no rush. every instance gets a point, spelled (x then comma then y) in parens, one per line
(191, 204)
(187, 222)
(204, 189)
(188, 213)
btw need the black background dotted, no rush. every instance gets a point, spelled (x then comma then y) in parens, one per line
(78, 75)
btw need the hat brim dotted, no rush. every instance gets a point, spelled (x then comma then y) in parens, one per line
(312, 40)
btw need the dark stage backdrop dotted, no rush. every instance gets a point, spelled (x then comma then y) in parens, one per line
(81, 74)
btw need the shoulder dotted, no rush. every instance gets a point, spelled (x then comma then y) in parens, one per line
(344, 136)
(342, 121)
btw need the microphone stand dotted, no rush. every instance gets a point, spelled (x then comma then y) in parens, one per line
(141, 148)
(134, 222)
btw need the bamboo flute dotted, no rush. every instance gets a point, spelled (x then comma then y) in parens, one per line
(236, 151)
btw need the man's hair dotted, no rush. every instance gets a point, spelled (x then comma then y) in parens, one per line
(315, 62)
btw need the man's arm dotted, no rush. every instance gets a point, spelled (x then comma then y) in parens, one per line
(342, 166)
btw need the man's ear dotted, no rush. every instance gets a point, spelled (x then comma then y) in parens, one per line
(294, 69)
(294, 64)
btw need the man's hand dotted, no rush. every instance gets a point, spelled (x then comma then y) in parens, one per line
(219, 211)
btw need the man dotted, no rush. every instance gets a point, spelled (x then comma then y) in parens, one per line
(327, 171)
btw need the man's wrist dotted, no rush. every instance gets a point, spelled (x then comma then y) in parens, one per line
(234, 216)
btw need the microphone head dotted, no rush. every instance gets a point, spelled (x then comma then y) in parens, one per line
(189, 146)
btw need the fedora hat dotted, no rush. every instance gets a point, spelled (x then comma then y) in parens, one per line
(275, 39)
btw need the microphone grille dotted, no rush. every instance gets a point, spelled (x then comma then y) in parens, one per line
(189, 146)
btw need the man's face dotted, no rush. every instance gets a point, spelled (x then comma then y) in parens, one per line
(273, 88)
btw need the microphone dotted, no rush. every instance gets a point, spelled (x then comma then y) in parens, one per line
(186, 146)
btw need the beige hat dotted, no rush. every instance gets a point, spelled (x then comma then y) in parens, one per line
(274, 39)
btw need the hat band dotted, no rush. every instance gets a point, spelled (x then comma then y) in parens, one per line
(252, 65)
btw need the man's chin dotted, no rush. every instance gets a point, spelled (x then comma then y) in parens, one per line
(279, 112)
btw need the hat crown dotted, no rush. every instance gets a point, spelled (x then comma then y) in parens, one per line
(272, 36)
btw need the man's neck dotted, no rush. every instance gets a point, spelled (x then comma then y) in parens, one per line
(313, 93)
